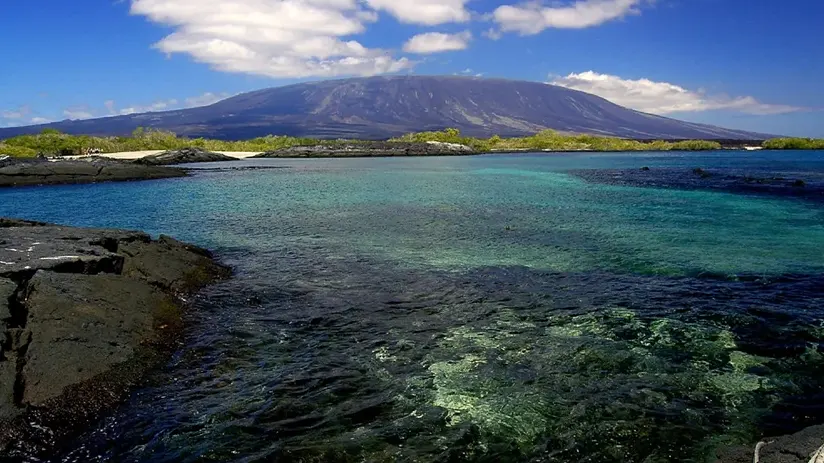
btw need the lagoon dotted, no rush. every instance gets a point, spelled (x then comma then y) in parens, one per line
(484, 308)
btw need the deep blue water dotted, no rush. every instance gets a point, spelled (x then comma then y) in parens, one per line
(488, 308)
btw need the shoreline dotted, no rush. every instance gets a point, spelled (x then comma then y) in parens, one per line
(135, 155)
(34, 172)
(245, 155)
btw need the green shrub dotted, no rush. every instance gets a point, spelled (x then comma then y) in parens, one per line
(696, 145)
(550, 140)
(794, 144)
(17, 151)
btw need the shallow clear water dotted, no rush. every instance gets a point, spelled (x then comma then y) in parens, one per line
(470, 309)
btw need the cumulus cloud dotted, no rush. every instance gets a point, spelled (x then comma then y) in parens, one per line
(285, 38)
(435, 42)
(426, 12)
(534, 17)
(153, 107)
(468, 72)
(662, 97)
(40, 120)
(78, 112)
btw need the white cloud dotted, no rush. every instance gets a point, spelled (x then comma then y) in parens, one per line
(533, 17)
(426, 12)
(20, 116)
(662, 97)
(166, 105)
(20, 113)
(206, 99)
(435, 42)
(275, 38)
(78, 112)
(153, 107)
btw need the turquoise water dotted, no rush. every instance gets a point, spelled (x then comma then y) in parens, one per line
(459, 213)
(471, 309)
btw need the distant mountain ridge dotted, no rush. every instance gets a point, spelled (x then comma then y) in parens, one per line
(387, 106)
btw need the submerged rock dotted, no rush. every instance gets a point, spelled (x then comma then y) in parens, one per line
(183, 156)
(84, 313)
(45, 172)
(802, 447)
(370, 148)
(772, 183)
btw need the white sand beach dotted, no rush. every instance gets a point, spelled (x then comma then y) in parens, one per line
(130, 155)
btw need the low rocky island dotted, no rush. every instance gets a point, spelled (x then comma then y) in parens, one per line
(370, 149)
(85, 314)
(26, 172)
(807, 185)
(183, 156)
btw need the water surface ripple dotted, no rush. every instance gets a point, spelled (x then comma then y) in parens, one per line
(490, 308)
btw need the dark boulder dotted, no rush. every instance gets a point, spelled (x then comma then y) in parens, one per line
(44, 172)
(8, 366)
(84, 314)
(6, 222)
(83, 325)
(794, 448)
(183, 156)
(167, 263)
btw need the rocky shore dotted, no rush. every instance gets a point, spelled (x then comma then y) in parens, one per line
(84, 314)
(807, 185)
(370, 149)
(183, 156)
(804, 446)
(14, 172)
(94, 169)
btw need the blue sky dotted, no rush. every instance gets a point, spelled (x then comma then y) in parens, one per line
(749, 64)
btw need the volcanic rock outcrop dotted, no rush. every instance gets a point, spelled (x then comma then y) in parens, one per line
(84, 314)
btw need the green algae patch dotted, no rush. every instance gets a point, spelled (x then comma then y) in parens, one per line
(608, 383)
(472, 394)
(467, 336)
(742, 362)
(734, 384)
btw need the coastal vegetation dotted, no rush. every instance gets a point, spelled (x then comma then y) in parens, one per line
(551, 140)
(51, 142)
(794, 144)
(17, 151)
